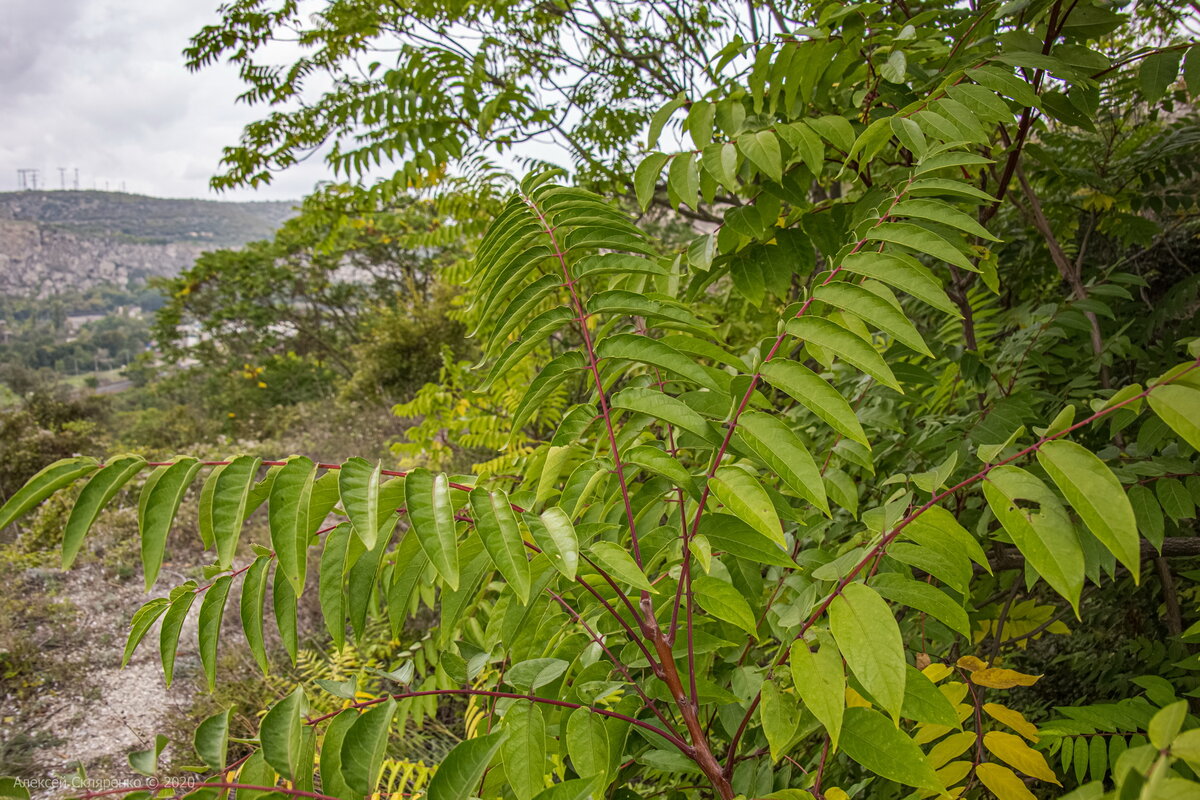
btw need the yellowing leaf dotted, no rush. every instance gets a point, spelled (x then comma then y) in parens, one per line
(949, 748)
(970, 663)
(999, 678)
(1013, 719)
(936, 672)
(1003, 782)
(856, 700)
(1012, 750)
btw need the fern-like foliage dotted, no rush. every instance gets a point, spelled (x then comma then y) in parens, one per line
(748, 549)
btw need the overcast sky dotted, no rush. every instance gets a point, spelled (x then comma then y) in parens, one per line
(100, 85)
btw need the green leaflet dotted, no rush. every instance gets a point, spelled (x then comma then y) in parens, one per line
(806, 146)
(646, 176)
(1149, 515)
(937, 528)
(1176, 405)
(455, 603)
(459, 774)
(665, 408)
(587, 743)
(924, 702)
(364, 747)
(580, 488)
(427, 498)
(280, 733)
(812, 392)
(780, 450)
(45, 483)
(1006, 83)
(212, 610)
(363, 578)
(549, 378)
(664, 312)
(230, 496)
(410, 563)
(324, 496)
(158, 503)
(531, 675)
(923, 240)
(942, 562)
(834, 129)
(923, 597)
(683, 181)
(260, 491)
(945, 186)
(519, 308)
(212, 740)
(780, 716)
(146, 761)
(331, 580)
(873, 310)
(876, 743)
(848, 346)
(283, 603)
(358, 483)
(943, 213)
(332, 782)
(205, 521)
(613, 263)
(729, 534)
(554, 533)
(762, 150)
(869, 639)
(509, 279)
(291, 493)
(1097, 496)
(743, 495)
(724, 602)
(524, 748)
(1043, 532)
(14, 789)
(820, 680)
(620, 565)
(535, 334)
(656, 353)
(102, 487)
(182, 598)
(651, 458)
(254, 592)
(139, 626)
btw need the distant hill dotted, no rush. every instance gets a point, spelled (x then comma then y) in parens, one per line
(64, 239)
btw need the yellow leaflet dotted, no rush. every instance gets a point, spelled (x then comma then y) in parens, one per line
(1013, 719)
(999, 678)
(836, 794)
(954, 691)
(854, 700)
(950, 747)
(936, 672)
(1012, 750)
(927, 733)
(971, 663)
(1003, 782)
(954, 772)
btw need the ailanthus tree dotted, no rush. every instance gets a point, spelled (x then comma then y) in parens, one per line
(823, 466)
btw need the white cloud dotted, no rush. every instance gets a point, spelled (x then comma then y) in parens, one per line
(101, 85)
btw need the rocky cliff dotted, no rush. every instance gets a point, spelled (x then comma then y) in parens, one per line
(52, 241)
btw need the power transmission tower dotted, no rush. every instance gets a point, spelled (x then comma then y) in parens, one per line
(62, 177)
(76, 186)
